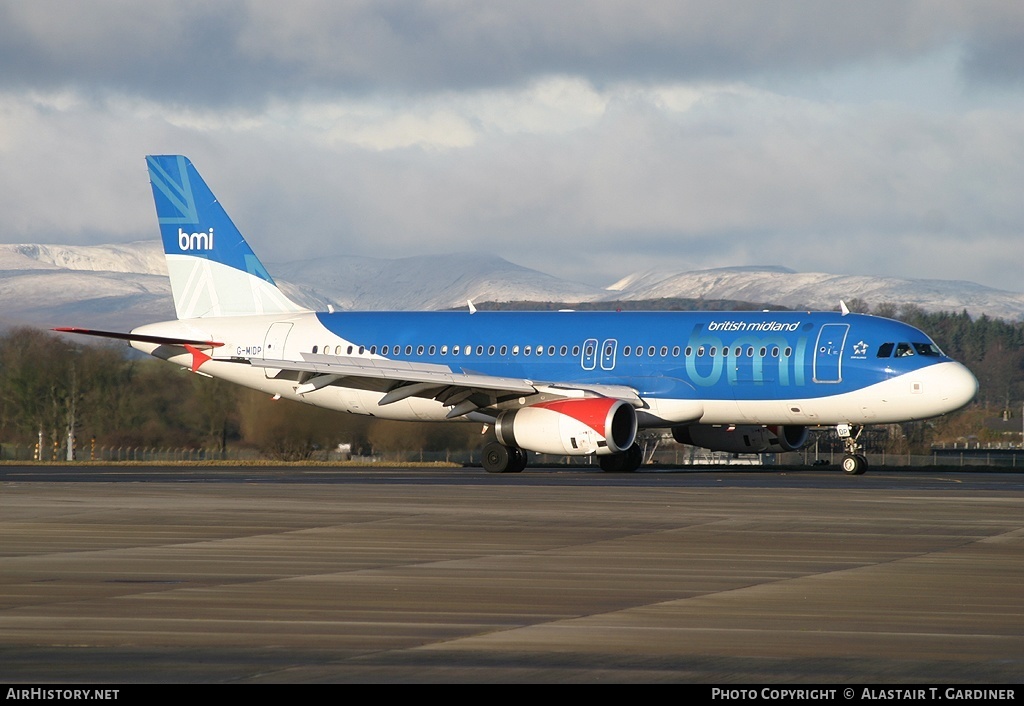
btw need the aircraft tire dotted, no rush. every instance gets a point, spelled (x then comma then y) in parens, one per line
(625, 462)
(634, 458)
(613, 464)
(855, 465)
(497, 458)
(517, 460)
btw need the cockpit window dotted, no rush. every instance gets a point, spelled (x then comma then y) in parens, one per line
(885, 350)
(929, 349)
(903, 350)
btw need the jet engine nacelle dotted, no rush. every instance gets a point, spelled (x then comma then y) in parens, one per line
(746, 438)
(580, 427)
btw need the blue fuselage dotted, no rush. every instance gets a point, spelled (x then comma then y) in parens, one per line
(708, 355)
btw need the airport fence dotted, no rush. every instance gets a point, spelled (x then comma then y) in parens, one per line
(668, 455)
(16, 452)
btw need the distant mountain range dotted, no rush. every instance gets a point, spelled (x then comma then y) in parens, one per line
(121, 286)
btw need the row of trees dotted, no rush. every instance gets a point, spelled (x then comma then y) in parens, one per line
(54, 384)
(51, 384)
(107, 392)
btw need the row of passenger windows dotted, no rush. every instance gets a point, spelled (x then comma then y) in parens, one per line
(433, 349)
(627, 351)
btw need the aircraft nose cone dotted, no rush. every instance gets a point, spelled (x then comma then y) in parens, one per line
(958, 386)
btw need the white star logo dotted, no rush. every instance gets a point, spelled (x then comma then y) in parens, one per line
(860, 348)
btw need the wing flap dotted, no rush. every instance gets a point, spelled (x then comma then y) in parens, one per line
(463, 392)
(399, 372)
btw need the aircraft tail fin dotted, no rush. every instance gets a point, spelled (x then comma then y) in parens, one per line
(213, 270)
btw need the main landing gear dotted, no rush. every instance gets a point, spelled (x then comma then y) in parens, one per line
(499, 458)
(626, 462)
(854, 462)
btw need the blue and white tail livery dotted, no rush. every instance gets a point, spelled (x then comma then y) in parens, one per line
(213, 271)
(567, 383)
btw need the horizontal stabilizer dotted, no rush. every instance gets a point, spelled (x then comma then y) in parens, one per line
(160, 340)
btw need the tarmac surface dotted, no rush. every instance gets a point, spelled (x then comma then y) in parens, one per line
(299, 575)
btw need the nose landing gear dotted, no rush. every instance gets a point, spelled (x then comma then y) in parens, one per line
(854, 462)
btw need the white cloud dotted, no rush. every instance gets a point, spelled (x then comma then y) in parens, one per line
(848, 140)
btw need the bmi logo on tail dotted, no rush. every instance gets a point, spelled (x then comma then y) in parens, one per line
(195, 241)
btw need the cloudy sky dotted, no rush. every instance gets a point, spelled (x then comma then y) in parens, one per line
(587, 139)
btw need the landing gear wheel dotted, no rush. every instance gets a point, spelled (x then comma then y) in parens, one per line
(496, 458)
(634, 458)
(517, 462)
(616, 463)
(499, 458)
(625, 462)
(855, 464)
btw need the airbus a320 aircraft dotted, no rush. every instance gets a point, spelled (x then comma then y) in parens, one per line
(564, 383)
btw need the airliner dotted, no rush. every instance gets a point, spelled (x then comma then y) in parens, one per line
(555, 382)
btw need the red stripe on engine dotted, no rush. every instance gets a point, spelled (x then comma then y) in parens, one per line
(591, 411)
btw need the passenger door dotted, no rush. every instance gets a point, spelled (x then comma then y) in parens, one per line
(828, 353)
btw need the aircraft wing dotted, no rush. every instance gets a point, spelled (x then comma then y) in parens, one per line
(464, 392)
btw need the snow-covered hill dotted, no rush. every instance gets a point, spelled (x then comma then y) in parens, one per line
(121, 286)
(429, 282)
(815, 290)
(100, 286)
(143, 257)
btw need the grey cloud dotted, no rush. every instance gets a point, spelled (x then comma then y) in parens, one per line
(742, 176)
(850, 191)
(998, 62)
(236, 52)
